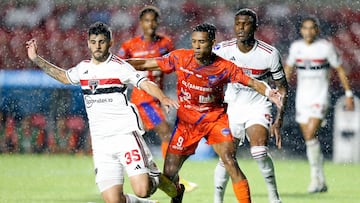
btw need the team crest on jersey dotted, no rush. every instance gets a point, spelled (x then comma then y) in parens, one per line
(307, 63)
(93, 85)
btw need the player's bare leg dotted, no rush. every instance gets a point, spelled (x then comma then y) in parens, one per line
(258, 135)
(115, 194)
(164, 131)
(227, 153)
(314, 155)
(172, 166)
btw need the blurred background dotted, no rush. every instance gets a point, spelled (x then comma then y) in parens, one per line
(40, 115)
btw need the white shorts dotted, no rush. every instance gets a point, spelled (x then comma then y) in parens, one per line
(126, 152)
(239, 122)
(306, 111)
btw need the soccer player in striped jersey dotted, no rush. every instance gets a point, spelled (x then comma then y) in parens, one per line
(250, 112)
(151, 44)
(312, 57)
(115, 126)
(202, 77)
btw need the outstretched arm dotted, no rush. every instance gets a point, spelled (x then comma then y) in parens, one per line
(264, 89)
(143, 64)
(282, 86)
(52, 70)
(349, 101)
(152, 89)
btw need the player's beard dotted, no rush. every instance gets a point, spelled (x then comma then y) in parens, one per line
(100, 55)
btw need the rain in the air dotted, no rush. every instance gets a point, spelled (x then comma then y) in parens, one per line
(182, 101)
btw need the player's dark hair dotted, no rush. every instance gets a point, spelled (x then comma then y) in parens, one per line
(206, 27)
(248, 12)
(150, 9)
(100, 28)
(314, 19)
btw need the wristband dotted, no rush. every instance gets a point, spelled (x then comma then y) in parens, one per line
(349, 93)
(267, 92)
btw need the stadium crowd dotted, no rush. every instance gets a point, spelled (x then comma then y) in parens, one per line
(60, 27)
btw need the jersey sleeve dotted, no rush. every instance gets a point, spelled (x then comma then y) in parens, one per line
(167, 62)
(290, 61)
(276, 67)
(333, 57)
(131, 76)
(73, 75)
(237, 74)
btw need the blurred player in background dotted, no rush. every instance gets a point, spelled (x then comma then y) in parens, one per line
(313, 57)
(148, 45)
(249, 111)
(116, 131)
(202, 77)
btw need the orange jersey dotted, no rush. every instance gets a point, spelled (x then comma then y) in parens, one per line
(200, 89)
(137, 47)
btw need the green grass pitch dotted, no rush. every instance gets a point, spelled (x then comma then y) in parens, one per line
(70, 179)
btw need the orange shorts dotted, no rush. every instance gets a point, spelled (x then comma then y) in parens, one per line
(186, 136)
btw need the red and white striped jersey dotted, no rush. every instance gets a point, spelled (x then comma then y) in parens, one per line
(104, 89)
(313, 62)
(261, 62)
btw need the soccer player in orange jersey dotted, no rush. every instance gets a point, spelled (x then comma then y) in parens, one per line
(202, 77)
(151, 44)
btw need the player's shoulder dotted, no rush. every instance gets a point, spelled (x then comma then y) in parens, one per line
(84, 63)
(266, 47)
(225, 44)
(163, 37)
(324, 42)
(117, 60)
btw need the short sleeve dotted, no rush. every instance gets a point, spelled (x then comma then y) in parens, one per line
(130, 76)
(276, 67)
(167, 62)
(73, 75)
(333, 57)
(290, 61)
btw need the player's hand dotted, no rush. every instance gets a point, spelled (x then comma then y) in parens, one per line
(349, 104)
(168, 103)
(276, 97)
(275, 131)
(31, 49)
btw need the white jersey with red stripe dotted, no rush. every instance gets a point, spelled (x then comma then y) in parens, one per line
(313, 62)
(104, 87)
(261, 62)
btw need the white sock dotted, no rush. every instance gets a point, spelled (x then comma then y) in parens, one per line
(266, 166)
(221, 177)
(316, 159)
(134, 199)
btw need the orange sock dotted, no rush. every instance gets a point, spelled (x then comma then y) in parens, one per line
(242, 191)
(164, 146)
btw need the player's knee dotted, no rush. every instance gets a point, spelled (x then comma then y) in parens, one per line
(142, 192)
(229, 160)
(259, 152)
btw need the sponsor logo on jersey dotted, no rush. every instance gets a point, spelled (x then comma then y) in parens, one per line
(90, 101)
(225, 132)
(137, 167)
